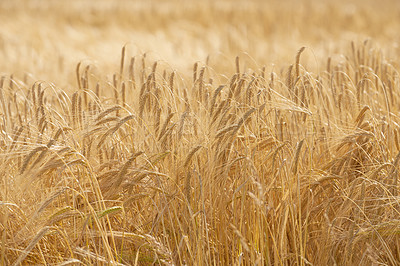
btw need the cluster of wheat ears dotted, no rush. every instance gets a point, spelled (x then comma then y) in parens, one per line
(149, 167)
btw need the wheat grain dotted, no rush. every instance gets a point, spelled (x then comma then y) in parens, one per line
(79, 114)
(31, 245)
(171, 81)
(195, 72)
(114, 129)
(108, 111)
(29, 157)
(296, 158)
(122, 172)
(121, 66)
(360, 117)
(289, 79)
(214, 98)
(237, 64)
(298, 61)
(73, 109)
(223, 131)
(123, 93)
(190, 155)
(107, 120)
(165, 124)
(77, 72)
(16, 136)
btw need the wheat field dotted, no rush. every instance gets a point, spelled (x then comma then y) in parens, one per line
(199, 132)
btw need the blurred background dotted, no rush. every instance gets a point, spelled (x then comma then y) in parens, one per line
(48, 38)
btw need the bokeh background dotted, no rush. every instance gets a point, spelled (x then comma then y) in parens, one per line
(48, 38)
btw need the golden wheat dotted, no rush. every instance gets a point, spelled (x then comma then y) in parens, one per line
(144, 157)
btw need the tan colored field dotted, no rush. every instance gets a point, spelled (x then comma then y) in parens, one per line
(199, 132)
